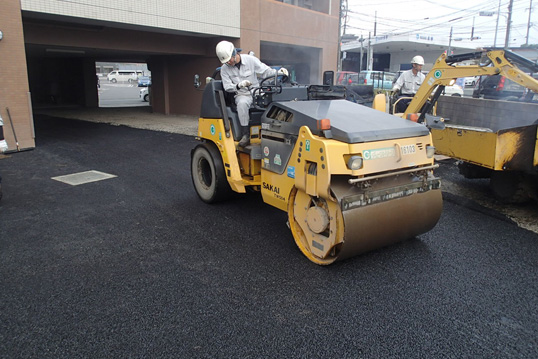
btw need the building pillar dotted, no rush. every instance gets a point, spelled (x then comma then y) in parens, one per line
(14, 92)
(172, 83)
(159, 92)
(91, 94)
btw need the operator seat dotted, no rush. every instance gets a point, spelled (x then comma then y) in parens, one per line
(211, 108)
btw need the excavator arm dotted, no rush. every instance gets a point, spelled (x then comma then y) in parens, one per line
(445, 73)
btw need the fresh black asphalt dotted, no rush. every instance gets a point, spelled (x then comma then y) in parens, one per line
(138, 267)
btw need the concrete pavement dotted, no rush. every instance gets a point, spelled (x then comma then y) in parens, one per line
(135, 117)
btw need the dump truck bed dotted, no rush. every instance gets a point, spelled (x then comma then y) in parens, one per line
(500, 135)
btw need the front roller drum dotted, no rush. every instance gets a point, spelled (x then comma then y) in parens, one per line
(325, 233)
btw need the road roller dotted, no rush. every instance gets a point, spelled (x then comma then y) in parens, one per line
(351, 179)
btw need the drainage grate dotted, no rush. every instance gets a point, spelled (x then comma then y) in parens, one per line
(83, 177)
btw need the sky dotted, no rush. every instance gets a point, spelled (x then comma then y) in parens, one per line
(437, 17)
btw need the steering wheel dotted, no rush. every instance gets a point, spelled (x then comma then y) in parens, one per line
(262, 95)
(278, 80)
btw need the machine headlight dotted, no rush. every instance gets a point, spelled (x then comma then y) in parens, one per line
(354, 162)
(430, 151)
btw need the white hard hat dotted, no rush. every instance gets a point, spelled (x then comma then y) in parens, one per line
(419, 60)
(225, 50)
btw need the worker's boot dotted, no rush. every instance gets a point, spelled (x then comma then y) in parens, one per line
(245, 140)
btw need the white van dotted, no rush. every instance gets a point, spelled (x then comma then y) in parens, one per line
(124, 75)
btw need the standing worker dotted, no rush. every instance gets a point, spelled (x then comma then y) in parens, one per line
(408, 83)
(3, 147)
(240, 72)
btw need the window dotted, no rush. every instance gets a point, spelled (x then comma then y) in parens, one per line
(390, 77)
(316, 5)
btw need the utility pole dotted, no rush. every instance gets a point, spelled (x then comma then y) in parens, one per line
(449, 43)
(362, 54)
(375, 25)
(497, 24)
(346, 8)
(528, 24)
(508, 25)
(472, 30)
(339, 58)
(370, 52)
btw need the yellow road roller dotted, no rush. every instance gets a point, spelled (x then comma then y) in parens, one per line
(352, 179)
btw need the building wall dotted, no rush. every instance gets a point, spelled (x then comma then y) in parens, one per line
(176, 38)
(109, 38)
(200, 16)
(14, 93)
(272, 22)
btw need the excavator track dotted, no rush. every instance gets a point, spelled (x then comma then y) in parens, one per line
(361, 218)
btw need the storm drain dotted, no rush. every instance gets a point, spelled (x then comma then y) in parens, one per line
(83, 177)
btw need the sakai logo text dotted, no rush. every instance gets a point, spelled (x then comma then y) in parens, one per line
(271, 188)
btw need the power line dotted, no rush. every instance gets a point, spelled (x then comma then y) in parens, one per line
(388, 25)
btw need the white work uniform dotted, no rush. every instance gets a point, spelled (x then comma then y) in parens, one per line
(249, 69)
(408, 83)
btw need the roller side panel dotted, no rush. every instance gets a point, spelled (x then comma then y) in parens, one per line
(213, 130)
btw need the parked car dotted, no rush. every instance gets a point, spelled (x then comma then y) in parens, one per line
(379, 79)
(471, 81)
(498, 87)
(144, 94)
(454, 90)
(123, 75)
(347, 78)
(144, 81)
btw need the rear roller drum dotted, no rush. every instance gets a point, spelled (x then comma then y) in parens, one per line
(208, 176)
(317, 226)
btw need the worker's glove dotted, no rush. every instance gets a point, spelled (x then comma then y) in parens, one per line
(244, 83)
(282, 71)
(3, 146)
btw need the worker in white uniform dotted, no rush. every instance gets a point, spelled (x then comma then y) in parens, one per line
(408, 83)
(239, 74)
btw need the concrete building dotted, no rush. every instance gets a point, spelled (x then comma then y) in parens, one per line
(50, 47)
(394, 53)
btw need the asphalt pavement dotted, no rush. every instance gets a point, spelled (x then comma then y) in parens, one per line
(136, 266)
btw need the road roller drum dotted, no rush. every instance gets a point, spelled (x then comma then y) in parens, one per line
(358, 220)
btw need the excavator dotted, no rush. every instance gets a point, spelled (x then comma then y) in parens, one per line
(491, 138)
(351, 179)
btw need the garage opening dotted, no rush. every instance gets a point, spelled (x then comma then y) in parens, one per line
(123, 84)
(303, 63)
